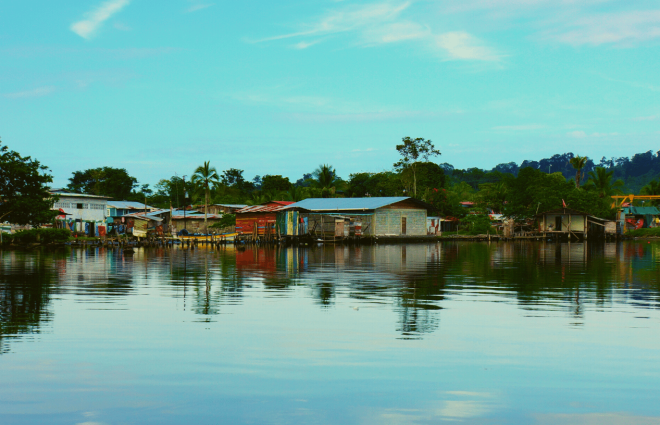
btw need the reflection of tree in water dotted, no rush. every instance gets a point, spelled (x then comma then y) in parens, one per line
(206, 278)
(324, 293)
(25, 289)
(418, 304)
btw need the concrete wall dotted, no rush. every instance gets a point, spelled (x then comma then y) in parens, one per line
(388, 222)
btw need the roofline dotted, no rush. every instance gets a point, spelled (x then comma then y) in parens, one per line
(81, 195)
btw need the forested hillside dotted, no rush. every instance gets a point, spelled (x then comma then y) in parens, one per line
(635, 172)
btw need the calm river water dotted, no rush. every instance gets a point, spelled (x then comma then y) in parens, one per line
(506, 333)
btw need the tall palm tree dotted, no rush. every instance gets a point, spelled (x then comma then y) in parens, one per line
(325, 178)
(653, 188)
(578, 162)
(206, 176)
(600, 180)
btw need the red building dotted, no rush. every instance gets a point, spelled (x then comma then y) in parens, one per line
(262, 217)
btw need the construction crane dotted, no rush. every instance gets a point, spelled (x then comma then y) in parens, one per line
(619, 200)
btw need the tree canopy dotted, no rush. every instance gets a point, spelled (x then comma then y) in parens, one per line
(24, 192)
(103, 181)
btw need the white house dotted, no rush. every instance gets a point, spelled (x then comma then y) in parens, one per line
(81, 212)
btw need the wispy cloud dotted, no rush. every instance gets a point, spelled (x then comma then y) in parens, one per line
(196, 6)
(647, 118)
(38, 92)
(463, 46)
(350, 18)
(383, 23)
(94, 19)
(523, 127)
(620, 28)
(635, 84)
(579, 134)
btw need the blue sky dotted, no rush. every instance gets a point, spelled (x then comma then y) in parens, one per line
(280, 87)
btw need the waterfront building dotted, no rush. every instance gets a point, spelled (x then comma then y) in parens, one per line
(397, 216)
(80, 212)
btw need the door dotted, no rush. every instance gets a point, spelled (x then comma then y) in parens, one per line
(558, 223)
(403, 225)
(339, 228)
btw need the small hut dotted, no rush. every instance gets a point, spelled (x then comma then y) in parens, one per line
(564, 221)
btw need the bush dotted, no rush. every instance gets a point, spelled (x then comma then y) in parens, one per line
(39, 235)
(226, 221)
(478, 224)
(644, 232)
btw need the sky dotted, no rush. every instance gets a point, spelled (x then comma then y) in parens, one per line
(279, 87)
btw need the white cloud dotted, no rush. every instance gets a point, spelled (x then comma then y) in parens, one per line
(306, 44)
(648, 118)
(38, 92)
(461, 45)
(94, 19)
(620, 28)
(395, 32)
(382, 23)
(523, 127)
(348, 19)
(195, 6)
(579, 134)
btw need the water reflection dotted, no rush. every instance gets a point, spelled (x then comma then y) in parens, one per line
(527, 332)
(414, 280)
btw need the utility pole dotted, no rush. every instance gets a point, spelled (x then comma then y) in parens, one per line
(185, 196)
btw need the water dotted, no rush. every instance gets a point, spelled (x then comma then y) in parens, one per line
(400, 334)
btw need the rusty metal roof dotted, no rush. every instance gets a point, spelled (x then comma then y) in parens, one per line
(262, 208)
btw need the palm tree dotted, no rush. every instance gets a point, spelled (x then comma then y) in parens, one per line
(325, 178)
(601, 181)
(206, 176)
(578, 162)
(653, 188)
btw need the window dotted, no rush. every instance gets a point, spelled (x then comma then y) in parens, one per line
(79, 206)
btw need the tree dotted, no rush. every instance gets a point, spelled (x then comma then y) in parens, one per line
(600, 180)
(411, 150)
(204, 177)
(493, 195)
(578, 162)
(275, 183)
(103, 181)
(325, 179)
(24, 194)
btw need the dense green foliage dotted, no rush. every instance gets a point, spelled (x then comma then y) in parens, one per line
(478, 224)
(637, 233)
(511, 189)
(44, 235)
(103, 181)
(24, 195)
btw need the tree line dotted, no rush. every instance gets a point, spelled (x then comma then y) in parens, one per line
(514, 190)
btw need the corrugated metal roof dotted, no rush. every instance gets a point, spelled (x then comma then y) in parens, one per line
(144, 216)
(641, 210)
(344, 204)
(127, 205)
(229, 205)
(262, 208)
(78, 195)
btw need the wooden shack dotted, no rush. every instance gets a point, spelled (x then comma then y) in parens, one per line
(259, 220)
(573, 223)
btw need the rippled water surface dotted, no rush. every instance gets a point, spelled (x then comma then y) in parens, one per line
(399, 334)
